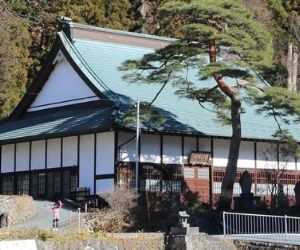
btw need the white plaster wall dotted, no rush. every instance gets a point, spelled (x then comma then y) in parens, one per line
(70, 151)
(221, 149)
(128, 151)
(150, 148)
(22, 156)
(246, 155)
(298, 164)
(204, 144)
(38, 153)
(190, 144)
(286, 161)
(105, 153)
(172, 150)
(53, 153)
(63, 84)
(7, 158)
(104, 185)
(86, 162)
(266, 155)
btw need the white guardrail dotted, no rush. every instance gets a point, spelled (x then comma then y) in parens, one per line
(260, 227)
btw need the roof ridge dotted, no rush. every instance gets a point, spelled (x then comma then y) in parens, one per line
(120, 32)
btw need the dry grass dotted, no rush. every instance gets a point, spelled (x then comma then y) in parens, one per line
(62, 240)
(118, 217)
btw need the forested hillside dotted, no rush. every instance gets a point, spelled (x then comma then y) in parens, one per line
(27, 30)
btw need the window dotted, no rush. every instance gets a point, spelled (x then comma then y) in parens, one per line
(57, 182)
(8, 185)
(126, 175)
(155, 178)
(74, 181)
(203, 173)
(189, 173)
(42, 184)
(23, 184)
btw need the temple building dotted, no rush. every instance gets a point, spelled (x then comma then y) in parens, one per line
(68, 130)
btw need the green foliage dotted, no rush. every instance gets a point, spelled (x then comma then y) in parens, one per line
(287, 16)
(148, 115)
(45, 235)
(282, 104)
(240, 41)
(15, 61)
(192, 201)
(28, 30)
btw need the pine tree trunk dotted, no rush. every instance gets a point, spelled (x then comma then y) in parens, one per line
(230, 173)
(289, 67)
(295, 68)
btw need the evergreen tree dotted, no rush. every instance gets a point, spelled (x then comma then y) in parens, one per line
(233, 41)
(287, 18)
(14, 61)
(28, 30)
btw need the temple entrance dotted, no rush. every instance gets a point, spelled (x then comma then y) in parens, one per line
(197, 175)
(197, 179)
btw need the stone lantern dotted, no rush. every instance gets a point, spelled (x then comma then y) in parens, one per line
(183, 219)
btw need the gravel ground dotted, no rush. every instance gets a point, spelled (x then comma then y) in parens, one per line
(68, 216)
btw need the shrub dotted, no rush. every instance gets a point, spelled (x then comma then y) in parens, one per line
(118, 217)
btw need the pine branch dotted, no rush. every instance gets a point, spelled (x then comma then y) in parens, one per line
(161, 89)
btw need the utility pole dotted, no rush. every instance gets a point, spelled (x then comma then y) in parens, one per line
(137, 158)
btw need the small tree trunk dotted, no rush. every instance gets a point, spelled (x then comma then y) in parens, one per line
(230, 173)
(295, 69)
(289, 66)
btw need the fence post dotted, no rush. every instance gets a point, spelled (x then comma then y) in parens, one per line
(285, 227)
(85, 207)
(79, 219)
(70, 217)
(224, 226)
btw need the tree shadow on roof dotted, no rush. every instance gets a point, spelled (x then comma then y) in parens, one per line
(166, 122)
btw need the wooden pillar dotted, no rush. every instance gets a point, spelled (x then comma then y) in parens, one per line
(116, 158)
(255, 168)
(211, 171)
(95, 161)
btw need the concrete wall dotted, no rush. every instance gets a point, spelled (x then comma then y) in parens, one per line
(19, 208)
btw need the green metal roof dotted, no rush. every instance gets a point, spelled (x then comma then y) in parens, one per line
(100, 62)
(60, 121)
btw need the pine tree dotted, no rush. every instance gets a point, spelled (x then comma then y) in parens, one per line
(233, 42)
(287, 18)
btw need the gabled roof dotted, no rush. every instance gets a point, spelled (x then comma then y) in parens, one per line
(103, 56)
(97, 53)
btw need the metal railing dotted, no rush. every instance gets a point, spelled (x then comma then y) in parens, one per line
(260, 227)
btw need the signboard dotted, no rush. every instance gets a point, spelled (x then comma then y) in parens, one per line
(18, 245)
(200, 158)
